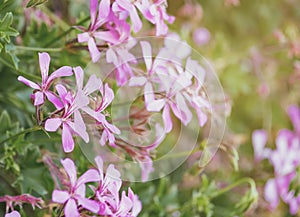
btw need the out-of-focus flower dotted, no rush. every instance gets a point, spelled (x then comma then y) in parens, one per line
(259, 140)
(286, 162)
(13, 214)
(75, 195)
(201, 36)
(42, 90)
(232, 2)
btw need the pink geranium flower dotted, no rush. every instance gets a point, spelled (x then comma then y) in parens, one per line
(69, 124)
(42, 90)
(75, 195)
(13, 214)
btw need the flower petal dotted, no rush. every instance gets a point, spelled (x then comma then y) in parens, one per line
(271, 194)
(44, 60)
(104, 9)
(71, 209)
(54, 100)
(93, 11)
(83, 37)
(29, 83)
(60, 196)
(61, 72)
(67, 139)
(39, 98)
(167, 118)
(93, 49)
(79, 75)
(52, 124)
(88, 204)
(70, 169)
(92, 175)
(137, 81)
(147, 54)
(13, 214)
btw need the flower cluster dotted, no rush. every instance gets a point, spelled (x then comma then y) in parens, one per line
(70, 105)
(104, 201)
(109, 30)
(285, 160)
(12, 201)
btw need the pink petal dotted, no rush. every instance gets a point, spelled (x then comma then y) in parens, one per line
(61, 72)
(294, 113)
(62, 92)
(104, 8)
(79, 75)
(67, 139)
(259, 140)
(93, 49)
(92, 84)
(137, 81)
(54, 100)
(39, 98)
(88, 204)
(83, 37)
(71, 209)
(136, 20)
(80, 130)
(271, 194)
(60, 196)
(29, 83)
(52, 124)
(107, 98)
(93, 11)
(125, 205)
(70, 169)
(167, 118)
(99, 163)
(147, 54)
(44, 60)
(151, 103)
(13, 214)
(91, 175)
(107, 36)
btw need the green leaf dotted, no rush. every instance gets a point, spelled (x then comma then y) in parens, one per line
(5, 122)
(33, 3)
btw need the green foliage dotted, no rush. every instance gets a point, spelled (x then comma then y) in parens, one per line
(33, 3)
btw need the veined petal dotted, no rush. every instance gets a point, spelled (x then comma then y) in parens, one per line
(147, 54)
(44, 60)
(79, 75)
(99, 163)
(107, 98)
(137, 81)
(83, 37)
(79, 127)
(29, 83)
(92, 175)
(39, 98)
(52, 124)
(54, 100)
(167, 118)
(92, 84)
(88, 204)
(61, 72)
(70, 169)
(107, 36)
(151, 103)
(93, 49)
(93, 11)
(71, 209)
(60, 196)
(104, 9)
(67, 139)
(135, 19)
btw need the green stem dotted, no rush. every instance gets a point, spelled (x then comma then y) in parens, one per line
(40, 49)
(66, 32)
(29, 130)
(233, 185)
(17, 71)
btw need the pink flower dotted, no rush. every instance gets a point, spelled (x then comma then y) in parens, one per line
(69, 124)
(13, 214)
(201, 36)
(76, 193)
(93, 35)
(259, 140)
(42, 90)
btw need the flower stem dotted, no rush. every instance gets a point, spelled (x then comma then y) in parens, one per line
(66, 32)
(40, 49)
(29, 130)
(19, 72)
(233, 185)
